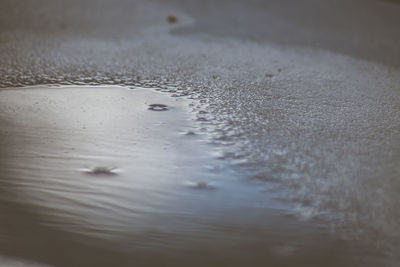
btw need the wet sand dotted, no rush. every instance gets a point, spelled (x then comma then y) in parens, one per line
(289, 155)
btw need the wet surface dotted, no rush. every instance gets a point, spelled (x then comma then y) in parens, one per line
(284, 152)
(151, 191)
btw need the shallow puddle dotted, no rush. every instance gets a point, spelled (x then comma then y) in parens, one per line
(91, 177)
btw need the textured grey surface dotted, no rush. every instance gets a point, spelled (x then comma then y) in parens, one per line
(302, 95)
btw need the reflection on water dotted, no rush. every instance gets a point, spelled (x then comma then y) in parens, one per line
(92, 177)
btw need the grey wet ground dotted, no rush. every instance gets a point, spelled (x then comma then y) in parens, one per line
(300, 98)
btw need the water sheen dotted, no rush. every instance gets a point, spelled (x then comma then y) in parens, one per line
(285, 153)
(91, 177)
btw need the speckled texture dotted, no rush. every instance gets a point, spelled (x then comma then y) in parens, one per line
(304, 96)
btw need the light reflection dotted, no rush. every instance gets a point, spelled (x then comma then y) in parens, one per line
(168, 194)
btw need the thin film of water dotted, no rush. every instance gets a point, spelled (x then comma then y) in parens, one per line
(130, 176)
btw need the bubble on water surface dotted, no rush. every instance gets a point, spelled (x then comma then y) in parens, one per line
(101, 170)
(158, 107)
